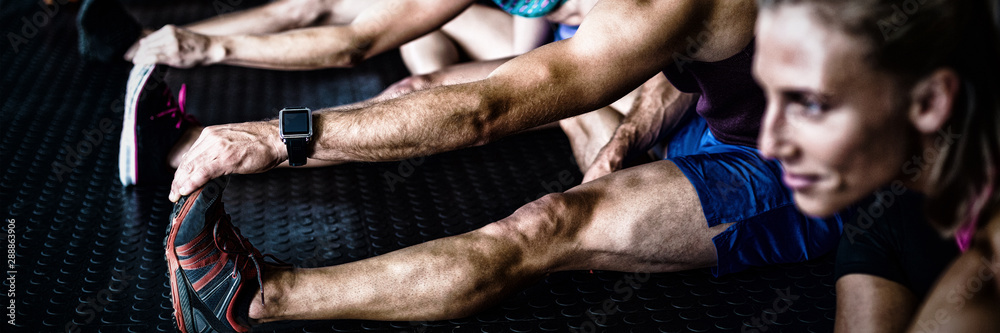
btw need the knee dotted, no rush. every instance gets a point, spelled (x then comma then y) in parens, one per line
(542, 222)
(303, 13)
(572, 126)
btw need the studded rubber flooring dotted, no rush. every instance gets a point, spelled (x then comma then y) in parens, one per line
(89, 253)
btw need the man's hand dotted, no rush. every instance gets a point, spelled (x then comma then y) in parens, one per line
(176, 47)
(658, 108)
(405, 86)
(611, 157)
(227, 149)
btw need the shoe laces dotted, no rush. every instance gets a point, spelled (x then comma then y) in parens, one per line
(245, 250)
(175, 111)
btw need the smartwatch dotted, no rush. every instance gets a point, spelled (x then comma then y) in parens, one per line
(296, 129)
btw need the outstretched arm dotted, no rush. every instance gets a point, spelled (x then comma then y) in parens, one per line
(621, 44)
(383, 26)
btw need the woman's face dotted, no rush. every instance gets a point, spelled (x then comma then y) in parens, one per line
(838, 127)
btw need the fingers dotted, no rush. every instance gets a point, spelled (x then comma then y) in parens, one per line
(600, 168)
(187, 180)
(152, 48)
(186, 174)
(608, 160)
(222, 150)
(130, 53)
(196, 165)
(162, 47)
(596, 171)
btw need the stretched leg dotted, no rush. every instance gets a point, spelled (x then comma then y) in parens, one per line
(868, 303)
(481, 32)
(282, 15)
(429, 53)
(603, 224)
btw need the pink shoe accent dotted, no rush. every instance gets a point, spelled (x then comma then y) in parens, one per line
(177, 111)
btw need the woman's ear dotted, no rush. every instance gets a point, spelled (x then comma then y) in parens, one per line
(933, 100)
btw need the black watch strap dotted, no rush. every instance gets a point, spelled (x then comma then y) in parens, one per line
(297, 151)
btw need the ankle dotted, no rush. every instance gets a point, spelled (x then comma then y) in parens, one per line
(277, 281)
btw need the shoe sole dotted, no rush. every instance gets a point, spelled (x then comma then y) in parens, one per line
(180, 287)
(128, 147)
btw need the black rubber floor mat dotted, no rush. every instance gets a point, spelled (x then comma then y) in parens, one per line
(89, 254)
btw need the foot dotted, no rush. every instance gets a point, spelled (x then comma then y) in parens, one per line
(153, 124)
(106, 30)
(214, 271)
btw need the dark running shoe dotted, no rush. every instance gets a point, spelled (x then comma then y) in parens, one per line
(153, 123)
(214, 271)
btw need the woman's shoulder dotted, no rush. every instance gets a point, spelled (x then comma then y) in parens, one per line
(987, 239)
(966, 296)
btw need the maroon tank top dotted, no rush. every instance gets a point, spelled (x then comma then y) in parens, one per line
(731, 101)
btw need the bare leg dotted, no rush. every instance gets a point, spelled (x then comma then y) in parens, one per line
(598, 225)
(282, 15)
(867, 303)
(430, 53)
(481, 32)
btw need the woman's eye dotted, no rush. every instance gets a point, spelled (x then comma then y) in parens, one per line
(813, 108)
(806, 106)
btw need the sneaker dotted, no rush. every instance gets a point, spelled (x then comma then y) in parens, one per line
(153, 123)
(214, 271)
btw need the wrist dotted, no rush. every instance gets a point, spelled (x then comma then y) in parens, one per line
(217, 51)
(272, 137)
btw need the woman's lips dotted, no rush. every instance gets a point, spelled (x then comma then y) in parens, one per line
(799, 182)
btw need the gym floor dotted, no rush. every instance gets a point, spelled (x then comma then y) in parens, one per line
(89, 253)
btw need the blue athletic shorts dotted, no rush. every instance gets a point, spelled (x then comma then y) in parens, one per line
(564, 31)
(735, 184)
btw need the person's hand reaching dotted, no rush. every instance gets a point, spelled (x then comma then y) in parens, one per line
(609, 159)
(176, 47)
(228, 149)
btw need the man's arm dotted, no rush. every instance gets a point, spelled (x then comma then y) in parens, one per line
(657, 109)
(621, 44)
(612, 53)
(383, 26)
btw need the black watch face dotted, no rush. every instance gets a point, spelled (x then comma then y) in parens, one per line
(295, 122)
